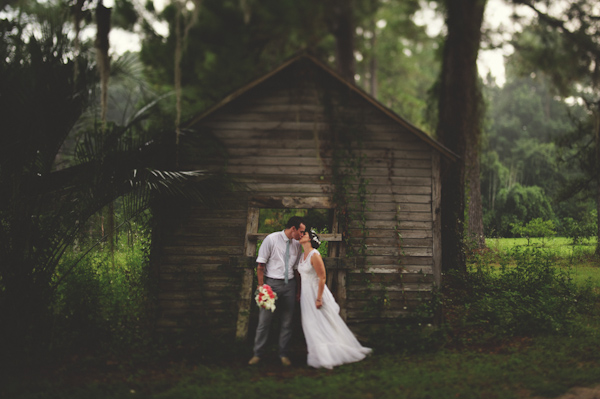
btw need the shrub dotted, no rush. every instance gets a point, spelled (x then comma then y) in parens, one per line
(578, 230)
(491, 303)
(535, 228)
(415, 333)
(104, 301)
(518, 203)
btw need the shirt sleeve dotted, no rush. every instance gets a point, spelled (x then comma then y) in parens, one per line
(264, 252)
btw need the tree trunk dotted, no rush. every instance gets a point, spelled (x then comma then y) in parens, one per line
(475, 207)
(458, 121)
(341, 26)
(101, 44)
(597, 134)
(373, 62)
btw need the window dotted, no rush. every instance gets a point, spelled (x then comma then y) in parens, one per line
(275, 219)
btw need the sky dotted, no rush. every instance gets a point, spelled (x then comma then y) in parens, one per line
(490, 61)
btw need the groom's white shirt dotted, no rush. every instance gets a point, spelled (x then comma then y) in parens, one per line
(272, 254)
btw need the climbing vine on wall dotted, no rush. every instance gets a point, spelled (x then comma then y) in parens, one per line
(350, 187)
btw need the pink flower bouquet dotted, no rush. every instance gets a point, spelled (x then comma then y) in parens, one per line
(265, 297)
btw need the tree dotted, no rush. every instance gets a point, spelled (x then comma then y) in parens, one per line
(341, 25)
(43, 209)
(397, 61)
(459, 119)
(565, 46)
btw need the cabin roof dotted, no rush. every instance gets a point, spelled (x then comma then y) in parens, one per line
(449, 154)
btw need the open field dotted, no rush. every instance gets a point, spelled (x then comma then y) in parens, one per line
(560, 247)
(578, 260)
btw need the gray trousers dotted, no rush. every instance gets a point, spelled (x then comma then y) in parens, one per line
(286, 301)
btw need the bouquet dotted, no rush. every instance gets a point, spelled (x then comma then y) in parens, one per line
(265, 297)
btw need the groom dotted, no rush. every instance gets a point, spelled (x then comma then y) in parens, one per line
(277, 260)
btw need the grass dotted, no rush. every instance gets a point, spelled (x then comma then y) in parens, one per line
(578, 259)
(465, 363)
(545, 367)
(560, 247)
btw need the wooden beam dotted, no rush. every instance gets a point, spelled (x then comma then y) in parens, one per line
(355, 263)
(291, 202)
(245, 301)
(324, 237)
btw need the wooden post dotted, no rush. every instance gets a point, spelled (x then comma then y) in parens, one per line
(245, 301)
(340, 289)
(436, 215)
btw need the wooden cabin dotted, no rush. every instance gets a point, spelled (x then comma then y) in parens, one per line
(302, 137)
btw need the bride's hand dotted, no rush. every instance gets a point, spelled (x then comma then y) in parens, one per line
(319, 303)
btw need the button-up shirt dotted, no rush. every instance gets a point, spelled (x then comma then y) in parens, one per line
(272, 254)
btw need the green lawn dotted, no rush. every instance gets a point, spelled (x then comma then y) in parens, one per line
(576, 259)
(543, 365)
(557, 246)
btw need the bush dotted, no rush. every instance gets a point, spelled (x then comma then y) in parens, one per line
(491, 303)
(103, 303)
(535, 228)
(579, 230)
(517, 204)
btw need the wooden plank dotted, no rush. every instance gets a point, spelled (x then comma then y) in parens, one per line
(399, 199)
(301, 140)
(395, 268)
(391, 232)
(391, 224)
(402, 216)
(406, 154)
(392, 241)
(183, 285)
(313, 159)
(186, 240)
(291, 202)
(194, 304)
(436, 217)
(395, 251)
(322, 237)
(243, 317)
(262, 188)
(191, 250)
(390, 288)
(411, 279)
(393, 189)
(221, 127)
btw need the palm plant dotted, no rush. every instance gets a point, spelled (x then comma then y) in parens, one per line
(45, 109)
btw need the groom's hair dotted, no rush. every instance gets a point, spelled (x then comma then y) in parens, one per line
(295, 221)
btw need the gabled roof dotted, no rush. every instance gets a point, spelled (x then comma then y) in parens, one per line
(391, 114)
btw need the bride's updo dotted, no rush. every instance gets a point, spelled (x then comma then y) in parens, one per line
(314, 239)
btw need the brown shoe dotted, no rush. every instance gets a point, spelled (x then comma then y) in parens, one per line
(254, 360)
(285, 361)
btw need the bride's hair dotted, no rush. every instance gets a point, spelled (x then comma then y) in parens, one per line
(314, 239)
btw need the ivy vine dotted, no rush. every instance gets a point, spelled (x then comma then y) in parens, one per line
(348, 165)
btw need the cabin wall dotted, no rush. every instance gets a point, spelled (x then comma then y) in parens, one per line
(279, 139)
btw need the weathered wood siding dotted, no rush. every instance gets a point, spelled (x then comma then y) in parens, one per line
(279, 141)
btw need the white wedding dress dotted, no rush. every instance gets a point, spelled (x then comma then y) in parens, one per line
(328, 339)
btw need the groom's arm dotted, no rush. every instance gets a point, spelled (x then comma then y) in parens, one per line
(260, 273)
(298, 285)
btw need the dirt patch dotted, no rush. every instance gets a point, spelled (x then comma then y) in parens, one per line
(579, 393)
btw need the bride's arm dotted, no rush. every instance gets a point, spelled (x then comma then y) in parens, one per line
(317, 263)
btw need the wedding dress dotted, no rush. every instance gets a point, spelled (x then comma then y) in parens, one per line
(328, 339)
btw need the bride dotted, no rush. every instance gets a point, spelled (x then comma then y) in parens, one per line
(329, 341)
